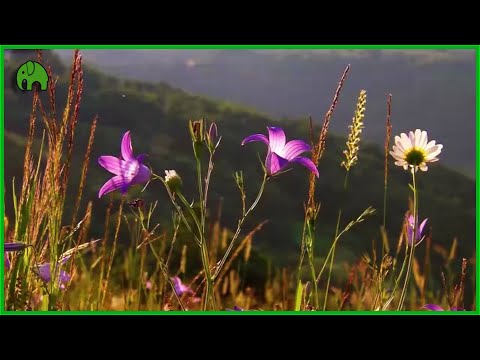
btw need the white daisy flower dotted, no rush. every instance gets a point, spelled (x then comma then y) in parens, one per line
(414, 150)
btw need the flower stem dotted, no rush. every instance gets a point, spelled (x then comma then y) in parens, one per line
(209, 293)
(345, 183)
(239, 228)
(412, 245)
(311, 236)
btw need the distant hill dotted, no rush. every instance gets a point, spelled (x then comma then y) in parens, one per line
(433, 90)
(157, 115)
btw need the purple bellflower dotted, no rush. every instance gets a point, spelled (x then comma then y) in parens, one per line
(128, 172)
(280, 153)
(419, 230)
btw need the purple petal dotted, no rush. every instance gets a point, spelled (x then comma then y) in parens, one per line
(275, 163)
(44, 272)
(141, 158)
(255, 137)
(276, 138)
(126, 147)
(142, 176)
(177, 284)
(180, 288)
(293, 149)
(212, 132)
(130, 170)
(302, 160)
(433, 307)
(112, 164)
(114, 183)
(420, 229)
(64, 277)
(14, 246)
(7, 261)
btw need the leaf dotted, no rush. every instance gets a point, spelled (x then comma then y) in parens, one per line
(298, 296)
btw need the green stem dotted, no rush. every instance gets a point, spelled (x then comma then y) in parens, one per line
(302, 255)
(209, 291)
(239, 227)
(332, 251)
(311, 258)
(167, 277)
(210, 296)
(412, 246)
(397, 281)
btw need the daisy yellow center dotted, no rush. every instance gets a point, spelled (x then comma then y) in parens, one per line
(415, 157)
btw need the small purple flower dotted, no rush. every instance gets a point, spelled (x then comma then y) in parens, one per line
(14, 246)
(45, 275)
(180, 288)
(148, 285)
(435, 307)
(235, 308)
(281, 154)
(128, 172)
(419, 231)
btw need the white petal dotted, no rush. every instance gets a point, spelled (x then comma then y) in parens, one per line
(400, 163)
(411, 136)
(423, 139)
(406, 142)
(405, 166)
(423, 167)
(417, 135)
(399, 144)
(430, 144)
(433, 152)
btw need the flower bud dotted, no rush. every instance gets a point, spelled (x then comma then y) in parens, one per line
(173, 181)
(197, 132)
(212, 135)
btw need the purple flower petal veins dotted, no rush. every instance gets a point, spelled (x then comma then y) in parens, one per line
(281, 154)
(128, 171)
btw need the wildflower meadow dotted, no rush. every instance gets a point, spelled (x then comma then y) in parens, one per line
(131, 216)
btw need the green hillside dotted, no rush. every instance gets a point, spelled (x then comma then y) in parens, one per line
(157, 115)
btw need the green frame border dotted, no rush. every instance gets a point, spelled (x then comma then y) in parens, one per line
(245, 47)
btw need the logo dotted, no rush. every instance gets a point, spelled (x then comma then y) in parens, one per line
(29, 73)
